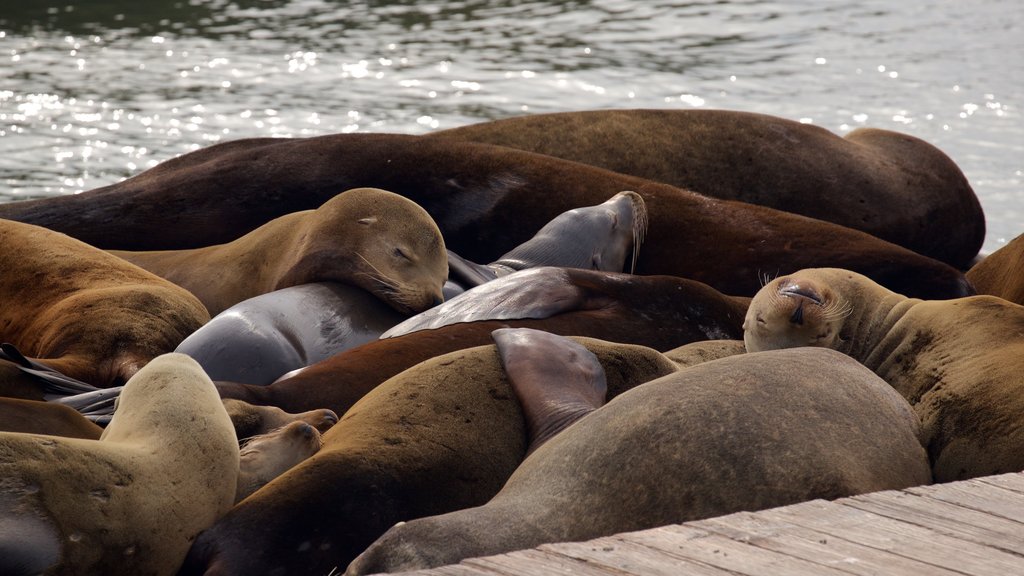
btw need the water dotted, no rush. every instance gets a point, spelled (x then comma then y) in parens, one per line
(93, 92)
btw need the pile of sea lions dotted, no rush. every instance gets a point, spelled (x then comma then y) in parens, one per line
(381, 352)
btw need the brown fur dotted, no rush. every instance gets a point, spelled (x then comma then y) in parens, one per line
(1002, 272)
(485, 199)
(958, 362)
(443, 435)
(38, 417)
(131, 502)
(365, 237)
(266, 456)
(86, 313)
(250, 420)
(885, 183)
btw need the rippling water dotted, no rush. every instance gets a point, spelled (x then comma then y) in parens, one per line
(94, 91)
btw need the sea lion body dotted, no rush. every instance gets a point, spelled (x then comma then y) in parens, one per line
(86, 313)
(999, 273)
(39, 417)
(365, 237)
(957, 362)
(661, 312)
(888, 184)
(748, 432)
(133, 501)
(443, 435)
(485, 199)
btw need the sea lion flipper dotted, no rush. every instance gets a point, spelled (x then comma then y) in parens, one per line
(54, 383)
(557, 380)
(468, 274)
(93, 405)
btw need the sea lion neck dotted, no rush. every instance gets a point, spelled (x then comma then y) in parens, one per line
(871, 321)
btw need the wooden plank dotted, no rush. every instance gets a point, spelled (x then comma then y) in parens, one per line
(628, 557)
(902, 538)
(458, 570)
(950, 519)
(815, 546)
(1014, 481)
(977, 495)
(536, 563)
(716, 550)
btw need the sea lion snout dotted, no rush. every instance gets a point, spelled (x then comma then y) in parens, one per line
(804, 293)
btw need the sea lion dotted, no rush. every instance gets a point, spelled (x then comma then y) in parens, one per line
(999, 273)
(888, 184)
(485, 199)
(957, 362)
(39, 417)
(365, 237)
(661, 312)
(747, 432)
(133, 501)
(250, 420)
(83, 312)
(261, 338)
(443, 435)
(266, 456)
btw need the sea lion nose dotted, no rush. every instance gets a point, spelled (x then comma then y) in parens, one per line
(798, 314)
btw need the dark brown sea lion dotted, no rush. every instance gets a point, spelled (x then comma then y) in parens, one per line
(1001, 273)
(443, 435)
(83, 312)
(131, 502)
(885, 183)
(661, 312)
(365, 237)
(748, 432)
(958, 362)
(39, 417)
(485, 199)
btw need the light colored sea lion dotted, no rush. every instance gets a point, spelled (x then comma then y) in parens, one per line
(485, 199)
(266, 456)
(133, 501)
(661, 312)
(365, 237)
(704, 351)
(443, 435)
(86, 313)
(885, 183)
(747, 432)
(250, 420)
(1000, 273)
(958, 362)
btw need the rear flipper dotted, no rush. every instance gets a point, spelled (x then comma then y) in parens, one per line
(96, 404)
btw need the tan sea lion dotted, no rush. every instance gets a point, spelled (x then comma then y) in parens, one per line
(958, 362)
(485, 199)
(251, 420)
(86, 313)
(443, 435)
(747, 432)
(131, 502)
(1001, 273)
(885, 183)
(266, 456)
(365, 237)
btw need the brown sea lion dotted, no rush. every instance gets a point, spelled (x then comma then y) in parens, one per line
(661, 312)
(957, 362)
(1000, 273)
(443, 435)
(86, 313)
(131, 502)
(250, 420)
(885, 183)
(485, 199)
(748, 432)
(365, 237)
(266, 456)
(39, 417)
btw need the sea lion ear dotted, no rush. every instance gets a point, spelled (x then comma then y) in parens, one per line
(368, 221)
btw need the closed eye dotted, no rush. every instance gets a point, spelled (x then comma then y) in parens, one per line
(399, 253)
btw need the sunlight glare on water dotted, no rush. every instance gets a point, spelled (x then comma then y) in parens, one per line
(94, 92)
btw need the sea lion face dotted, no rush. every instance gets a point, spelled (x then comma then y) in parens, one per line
(792, 311)
(599, 237)
(378, 241)
(265, 457)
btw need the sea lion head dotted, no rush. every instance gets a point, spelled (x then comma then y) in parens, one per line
(265, 457)
(601, 237)
(800, 309)
(376, 240)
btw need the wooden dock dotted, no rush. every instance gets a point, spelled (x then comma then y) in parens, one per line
(970, 527)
